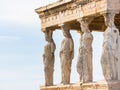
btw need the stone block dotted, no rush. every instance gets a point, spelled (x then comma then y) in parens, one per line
(99, 85)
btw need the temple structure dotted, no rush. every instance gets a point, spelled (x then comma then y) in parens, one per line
(83, 16)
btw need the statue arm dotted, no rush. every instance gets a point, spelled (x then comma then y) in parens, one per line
(117, 45)
(72, 48)
(118, 37)
(44, 53)
(53, 47)
(62, 48)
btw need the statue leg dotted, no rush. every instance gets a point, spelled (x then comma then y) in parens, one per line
(90, 68)
(85, 69)
(68, 71)
(105, 63)
(47, 75)
(80, 68)
(62, 68)
(115, 69)
(65, 70)
(49, 69)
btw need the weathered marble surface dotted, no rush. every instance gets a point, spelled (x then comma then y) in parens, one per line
(66, 56)
(119, 59)
(48, 58)
(100, 85)
(84, 62)
(69, 11)
(109, 58)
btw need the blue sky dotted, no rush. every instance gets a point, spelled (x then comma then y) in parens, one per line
(22, 43)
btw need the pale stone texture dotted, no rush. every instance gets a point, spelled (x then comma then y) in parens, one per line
(62, 12)
(84, 62)
(100, 85)
(119, 59)
(48, 58)
(66, 55)
(109, 58)
(69, 11)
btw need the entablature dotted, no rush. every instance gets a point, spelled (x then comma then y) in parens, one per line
(67, 11)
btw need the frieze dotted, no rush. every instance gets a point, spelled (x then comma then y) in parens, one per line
(68, 6)
(63, 14)
(88, 9)
(55, 10)
(60, 14)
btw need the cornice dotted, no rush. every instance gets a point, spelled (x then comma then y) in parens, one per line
(60, 6)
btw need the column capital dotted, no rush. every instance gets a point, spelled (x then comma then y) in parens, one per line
(87, 20)
(110, 11)
(109, 18)
(84, 23)
(47, 29)
(79, 31)
(43, 29)
(65, 26)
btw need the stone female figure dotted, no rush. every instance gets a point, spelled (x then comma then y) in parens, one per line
(109, 58)
(66, 56)
(48, 58)
(84, 62)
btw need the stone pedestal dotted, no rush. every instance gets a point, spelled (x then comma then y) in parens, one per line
(100, 85)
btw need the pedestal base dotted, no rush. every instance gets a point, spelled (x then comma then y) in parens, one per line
(101, 85)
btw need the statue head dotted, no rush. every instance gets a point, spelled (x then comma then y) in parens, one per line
(48, 35)
(84, 27)
(66, 29)
(66, 33)
(109, 19)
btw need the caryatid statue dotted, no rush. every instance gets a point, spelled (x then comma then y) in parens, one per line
(84, 62)
(66, 54)
(109, 58)
(48, 58)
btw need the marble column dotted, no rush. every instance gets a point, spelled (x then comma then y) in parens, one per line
(109, 58)
(48, 58)
(84, 62)
(66, 54)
